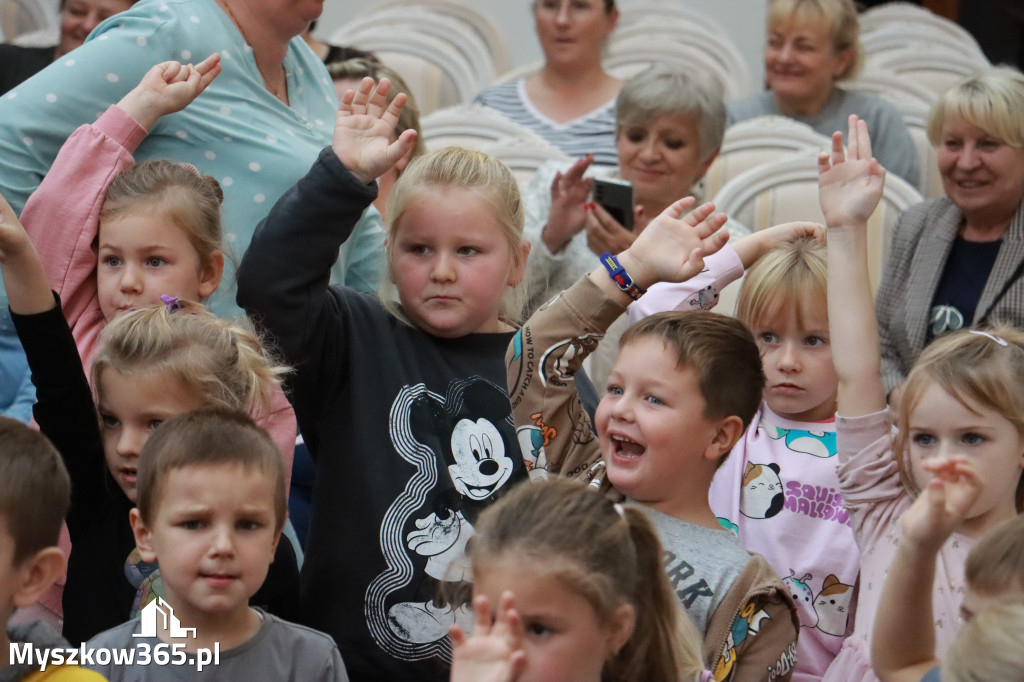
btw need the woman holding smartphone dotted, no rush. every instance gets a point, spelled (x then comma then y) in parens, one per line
(669, 127)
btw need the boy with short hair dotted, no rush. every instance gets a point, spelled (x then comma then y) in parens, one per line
(211, 506)
(35, 492)
(681, 393)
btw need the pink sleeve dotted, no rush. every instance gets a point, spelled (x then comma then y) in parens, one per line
(700, 292)
(62, 215)
(281, 426)
(869, 476)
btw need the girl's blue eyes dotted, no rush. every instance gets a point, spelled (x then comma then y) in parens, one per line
(927, 439)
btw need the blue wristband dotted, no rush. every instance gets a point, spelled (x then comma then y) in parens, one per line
(620, 277)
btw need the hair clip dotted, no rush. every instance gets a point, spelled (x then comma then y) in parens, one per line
(191, 169)
(997, 339)
(171, 302)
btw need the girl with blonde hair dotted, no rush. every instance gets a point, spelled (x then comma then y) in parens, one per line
(155, 362)
(961, 416)
(401, 398)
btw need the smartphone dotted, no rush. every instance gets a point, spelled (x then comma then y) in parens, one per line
(616, 197)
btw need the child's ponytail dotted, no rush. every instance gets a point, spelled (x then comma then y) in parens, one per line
(608, 554)
(665, 644)
(222, 362)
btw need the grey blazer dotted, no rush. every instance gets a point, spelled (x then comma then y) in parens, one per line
(920, 247)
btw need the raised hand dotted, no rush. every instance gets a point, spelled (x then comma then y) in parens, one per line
(364, 130)
(849, 183)
(753, 246)
(169, 87)
(672, 246)
(28, 291)
(494, 651)
(943, 505)
(568, 214)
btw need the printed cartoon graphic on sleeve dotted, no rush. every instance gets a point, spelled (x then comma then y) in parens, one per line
(463, 453)
(816, 443)
(706, 298)
(762, 496)
(747, 624)
(833, 606)
(803, 597)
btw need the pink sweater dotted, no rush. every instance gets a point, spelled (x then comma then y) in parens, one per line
(870, 483)
(62, 218)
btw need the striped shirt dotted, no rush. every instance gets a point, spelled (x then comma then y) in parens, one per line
(592, 133)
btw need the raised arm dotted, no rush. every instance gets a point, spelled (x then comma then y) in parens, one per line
(62, 215)
(849, 189)
(284, 275)
(28, 292)
(903, 643)
(64, 407)
(721, 270)
(550, 348)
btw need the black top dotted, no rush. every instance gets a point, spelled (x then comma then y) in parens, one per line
(18, 64)
(956, 297)
(98, 594)
(412, 436)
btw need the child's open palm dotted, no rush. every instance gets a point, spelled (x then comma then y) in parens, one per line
(943, 505)
(849, 183)
(493, 653)
(169, 87)
(364, 129)
(672, 247)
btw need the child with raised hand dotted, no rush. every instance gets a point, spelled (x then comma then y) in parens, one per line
(680, 395)
(581, 594)
(903, 647)
(211, 507)
(401, 402)
(964, 397)
(779, 489)
(154, 363)
(114, 236)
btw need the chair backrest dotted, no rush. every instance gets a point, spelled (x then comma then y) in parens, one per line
(468, 125)
(464, 12)
(936, 70)
(524, 155)
(436, 72)
(929, 182)
(19, 17)
(626, 58)
(719, 47)
(905, 34)
(765, 139)
(421, 19)
(634, 11)
(788, 190)
(890, 87)
(906, 16)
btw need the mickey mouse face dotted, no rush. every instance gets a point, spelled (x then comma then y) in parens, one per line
(481, 466)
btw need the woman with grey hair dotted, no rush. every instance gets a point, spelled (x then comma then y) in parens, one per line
(669, 126)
